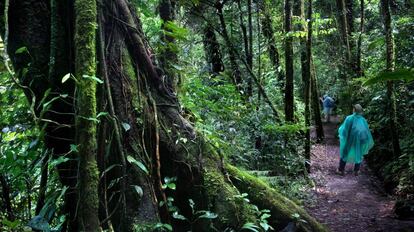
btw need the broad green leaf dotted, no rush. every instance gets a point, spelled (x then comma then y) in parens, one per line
(139, 164)
(402, 74)
(21, 50)
(58, 161)
(101, 114)
(265, 226)
(264, 216)
(171, 186)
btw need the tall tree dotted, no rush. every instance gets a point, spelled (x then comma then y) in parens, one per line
(390, 57)
(316, 104)
(5, 189)
(344, 28)
(289, 87)
(168, 54)
(212, 50)
(236, 74)
(268, 32)
(359, 70)
(299, 12)
(307, 88)
(249, 58)
(85, 67)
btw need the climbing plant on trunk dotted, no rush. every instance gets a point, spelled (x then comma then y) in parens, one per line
(86, 121)
(390, 57)
(289, 94)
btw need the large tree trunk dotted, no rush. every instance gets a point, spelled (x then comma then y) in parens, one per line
(267, 30)
(157, 137)
(7, 203)
(249, 57)
(85, 102)
(212, 51)
(316, 105)
(359, 70)
(289, 88)
(307, 87)
(390, 56)
(305, 55)
(236, 74)
(168, 54)
(343, 25)
(51, 58)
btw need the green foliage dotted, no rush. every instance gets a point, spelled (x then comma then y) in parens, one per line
(398, 75)
(22, 153)
(139, 164)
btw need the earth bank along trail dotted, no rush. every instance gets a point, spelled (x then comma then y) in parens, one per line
(349, 203)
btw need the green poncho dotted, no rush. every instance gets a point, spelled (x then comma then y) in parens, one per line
(355, 138)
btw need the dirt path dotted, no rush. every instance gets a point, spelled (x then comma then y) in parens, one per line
(349, 203)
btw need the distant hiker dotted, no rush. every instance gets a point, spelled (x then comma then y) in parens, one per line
(355, 140)
(328, 105)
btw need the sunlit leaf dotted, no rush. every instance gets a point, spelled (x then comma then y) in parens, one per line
(66, 77)
(139, 190)
(207, 215)
(178, 216)
(93, 78)
(126, 126)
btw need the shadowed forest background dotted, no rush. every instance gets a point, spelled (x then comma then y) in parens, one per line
(199, 115)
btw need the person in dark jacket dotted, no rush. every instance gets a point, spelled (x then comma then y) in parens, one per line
(328, 105)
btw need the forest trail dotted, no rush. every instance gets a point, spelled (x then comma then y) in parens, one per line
(349, 203)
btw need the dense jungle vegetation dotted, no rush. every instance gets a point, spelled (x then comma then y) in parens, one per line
(194, 115)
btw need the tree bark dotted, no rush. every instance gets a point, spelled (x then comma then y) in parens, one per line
(359, 70)
(85, 68)
(289, 88)
(316, 105)
(268, 32)
(249, 57)
(5, 189)
(168, 54)
(390, 57)
(343, 25)
(36, 35)
(236, 74)
(307, 88)
(212, 51)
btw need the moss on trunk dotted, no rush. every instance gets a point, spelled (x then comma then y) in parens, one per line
(85, 67)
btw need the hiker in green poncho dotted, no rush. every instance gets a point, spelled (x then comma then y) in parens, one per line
(355, 140)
